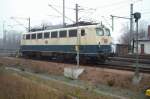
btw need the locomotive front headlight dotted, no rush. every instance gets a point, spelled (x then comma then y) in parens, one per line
(99, 44)
(105, 40)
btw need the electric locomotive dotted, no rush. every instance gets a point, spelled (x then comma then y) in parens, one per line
(94, 41)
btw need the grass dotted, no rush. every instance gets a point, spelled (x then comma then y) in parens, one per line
(14, 85)
(70, 90)
(109, 79)
(111, 82)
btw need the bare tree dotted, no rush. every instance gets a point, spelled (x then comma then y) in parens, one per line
(126, 32)
(12, 40)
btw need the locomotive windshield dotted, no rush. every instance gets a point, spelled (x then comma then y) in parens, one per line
(99, 31)
(107, 32)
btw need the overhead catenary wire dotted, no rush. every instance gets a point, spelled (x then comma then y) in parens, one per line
(106, 21)
(104, 7)
(84, 9)
(65, 7)
(60, 12)
(20, 23)
(110, 5)
(54, 16)
(117, 4)
(145, 12)
(87, 9)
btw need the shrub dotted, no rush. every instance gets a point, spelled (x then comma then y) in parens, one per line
(111, 82)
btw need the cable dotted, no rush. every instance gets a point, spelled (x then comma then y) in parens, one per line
(20, 23)
(87, 8)
(105, 7)
(65, 7)
(106, 21)
(114, 10)
(145, 13)
(110, 5)
(54, 16)
(115, 4)
(60, 12)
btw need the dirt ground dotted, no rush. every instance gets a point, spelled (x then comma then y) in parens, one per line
(94, 75)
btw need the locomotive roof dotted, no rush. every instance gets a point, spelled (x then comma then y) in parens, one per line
(82, 23)
(64, 28)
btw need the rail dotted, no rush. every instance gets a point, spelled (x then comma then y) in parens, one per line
(8, 52)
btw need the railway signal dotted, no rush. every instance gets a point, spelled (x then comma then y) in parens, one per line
(137, 16)
(137, 77)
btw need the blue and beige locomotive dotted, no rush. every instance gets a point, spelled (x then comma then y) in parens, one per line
(94, 42)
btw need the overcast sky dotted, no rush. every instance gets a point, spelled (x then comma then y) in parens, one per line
(39, 11)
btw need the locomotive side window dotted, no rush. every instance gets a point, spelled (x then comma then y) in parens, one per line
(46, 34)
(54, 34)
(72, 33)
(82, 32)
(28, 36)
(24, 37)
(33, 36)
(63, 33)
(39, 35)
(99, 32)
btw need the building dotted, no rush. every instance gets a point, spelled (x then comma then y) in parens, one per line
(144, 44)
(122, 49)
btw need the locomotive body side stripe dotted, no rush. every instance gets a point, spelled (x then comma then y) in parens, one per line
(67, 48)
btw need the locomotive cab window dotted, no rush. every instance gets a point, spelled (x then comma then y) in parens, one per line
(63, 33)
(28, 36)
(46, 34)
(99, 32)
(73, 33)
(82, 32)
(39, 35)
(33, 36)
(54, 34)
(107, 32)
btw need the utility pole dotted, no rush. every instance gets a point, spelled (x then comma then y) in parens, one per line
(64, 13)
(29, 27)
(112, 17)
(131, 25)
(77, 13)
(4, 35)
(78, 38)
(131, 29)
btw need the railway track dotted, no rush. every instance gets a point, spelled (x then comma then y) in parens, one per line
(119, 65)
(129, 67)
(124, 59)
